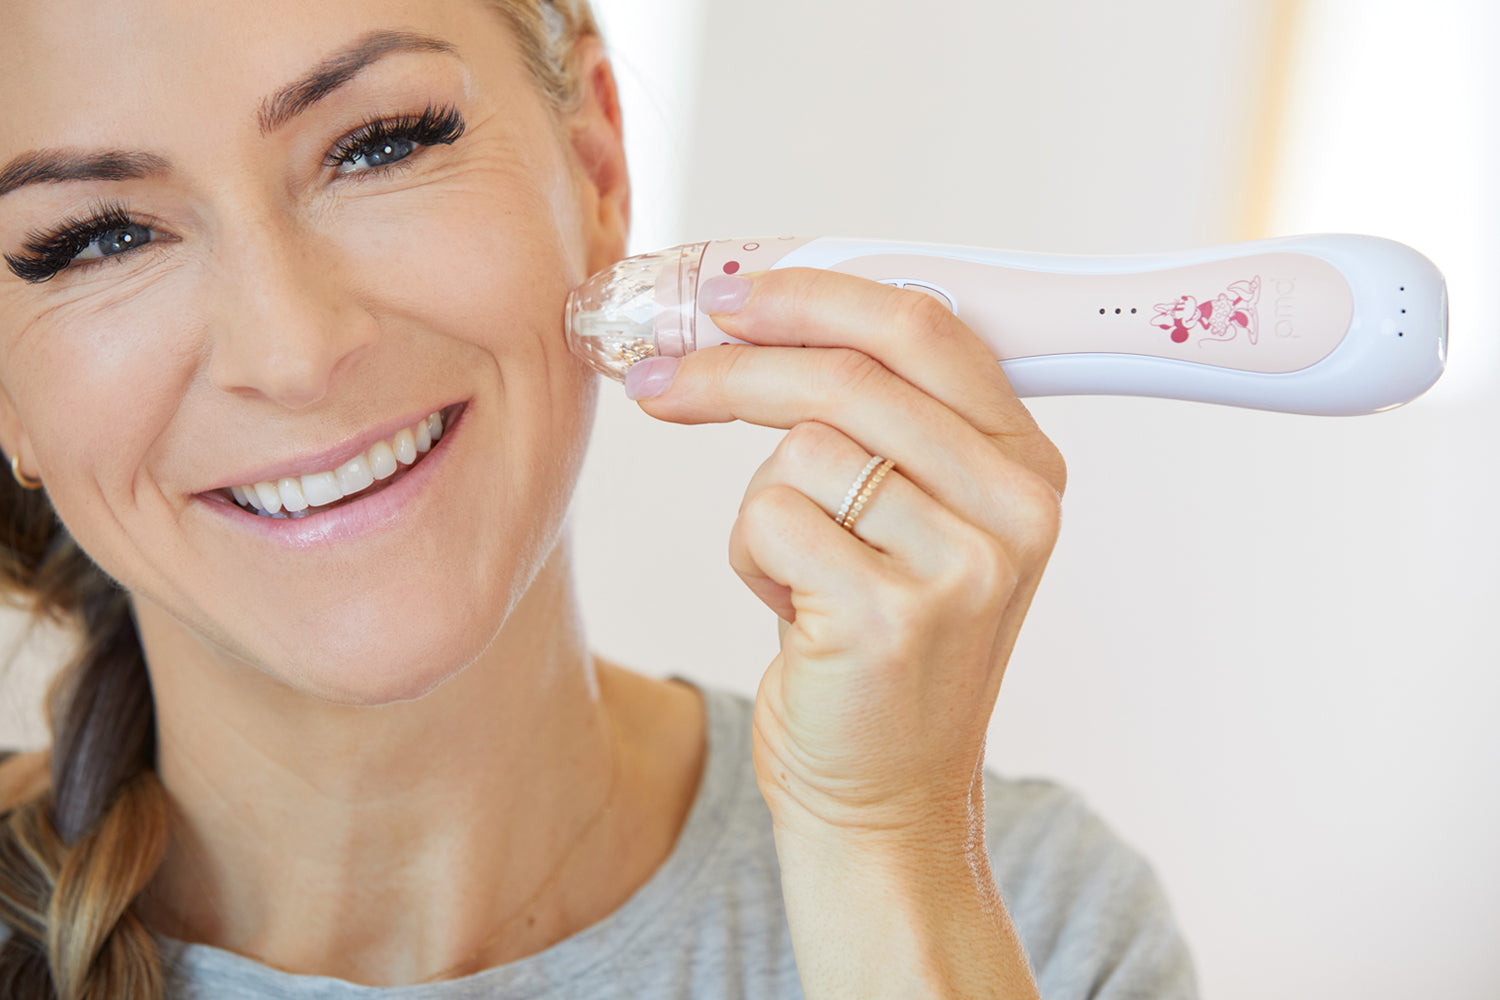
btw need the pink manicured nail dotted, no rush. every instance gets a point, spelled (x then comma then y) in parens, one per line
(724, 294)
(651, 377)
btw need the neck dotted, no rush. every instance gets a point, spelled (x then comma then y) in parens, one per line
(465, 802)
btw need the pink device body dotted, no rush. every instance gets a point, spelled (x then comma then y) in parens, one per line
(1332, 324)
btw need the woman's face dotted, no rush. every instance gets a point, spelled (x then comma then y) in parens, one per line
(279, 284)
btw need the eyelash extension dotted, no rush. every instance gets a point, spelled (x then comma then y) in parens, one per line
(45, 254)
(433, 127)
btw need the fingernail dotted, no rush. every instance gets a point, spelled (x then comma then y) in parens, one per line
(651, 377)
(724, 293)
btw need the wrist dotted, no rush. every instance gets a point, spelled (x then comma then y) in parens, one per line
(898, 917)
(909, 855)
(938, 819)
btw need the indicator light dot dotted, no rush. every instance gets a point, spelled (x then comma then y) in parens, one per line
(731, 267)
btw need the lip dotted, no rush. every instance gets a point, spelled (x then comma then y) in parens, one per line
(352, 520)
(312, 462)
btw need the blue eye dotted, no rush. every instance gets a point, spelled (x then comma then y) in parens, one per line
(387, 141)
(111, 242)
(107, 232)
(378, 155)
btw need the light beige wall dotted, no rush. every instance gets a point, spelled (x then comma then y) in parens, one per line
(27, 658)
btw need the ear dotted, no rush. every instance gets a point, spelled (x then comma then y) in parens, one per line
(597, 135)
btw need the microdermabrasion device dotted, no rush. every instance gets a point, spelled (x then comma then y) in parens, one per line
(1331, 324)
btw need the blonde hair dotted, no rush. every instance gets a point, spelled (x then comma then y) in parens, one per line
(83, 827)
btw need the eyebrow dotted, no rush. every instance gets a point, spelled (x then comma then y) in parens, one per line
(49, 166)
(338, 69)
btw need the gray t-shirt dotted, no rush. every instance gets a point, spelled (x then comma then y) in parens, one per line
(710, 922)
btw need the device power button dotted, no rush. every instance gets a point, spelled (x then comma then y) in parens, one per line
(926, 288)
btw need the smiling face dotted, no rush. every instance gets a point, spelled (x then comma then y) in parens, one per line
(283, 235)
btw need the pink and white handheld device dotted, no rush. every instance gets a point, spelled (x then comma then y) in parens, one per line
(1326, 324)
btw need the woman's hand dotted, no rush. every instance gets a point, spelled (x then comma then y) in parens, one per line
(870, 724)
(873, 717)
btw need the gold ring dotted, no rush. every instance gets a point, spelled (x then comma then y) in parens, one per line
(865, 485)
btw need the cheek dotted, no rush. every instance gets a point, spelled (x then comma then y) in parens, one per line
(98, 386)
(474, 269)
(493, 279)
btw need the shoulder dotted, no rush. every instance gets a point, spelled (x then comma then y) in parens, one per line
(1090, 910)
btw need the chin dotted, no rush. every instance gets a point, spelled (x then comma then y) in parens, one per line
(372, 685)
(353, 656)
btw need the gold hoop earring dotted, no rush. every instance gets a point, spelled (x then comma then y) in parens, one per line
(27, 483)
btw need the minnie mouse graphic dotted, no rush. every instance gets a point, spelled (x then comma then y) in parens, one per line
(1223, 318)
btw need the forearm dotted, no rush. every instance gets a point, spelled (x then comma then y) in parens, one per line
(871, 921)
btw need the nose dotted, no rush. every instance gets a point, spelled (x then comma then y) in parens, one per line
(288, 319)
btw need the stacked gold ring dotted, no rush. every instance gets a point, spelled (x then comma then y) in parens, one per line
(865, 485)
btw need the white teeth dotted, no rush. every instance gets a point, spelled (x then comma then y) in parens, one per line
(269, 496)
(405, 447)
(354, 475)
(319, 489)
(291, 495)
(382, 461)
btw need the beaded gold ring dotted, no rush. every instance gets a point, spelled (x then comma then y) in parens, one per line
(865, 485)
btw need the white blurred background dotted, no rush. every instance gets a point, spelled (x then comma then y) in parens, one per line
(1267, 647)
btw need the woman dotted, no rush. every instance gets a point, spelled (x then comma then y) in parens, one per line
(336, 718)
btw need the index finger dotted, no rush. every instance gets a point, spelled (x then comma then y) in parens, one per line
(909, 332)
